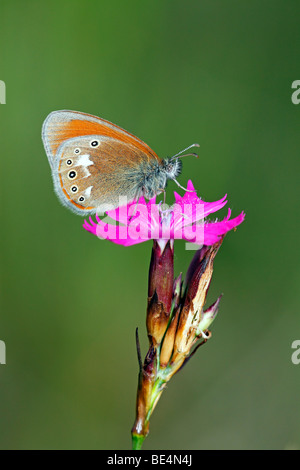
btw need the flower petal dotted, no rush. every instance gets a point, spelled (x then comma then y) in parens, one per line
(141, 221)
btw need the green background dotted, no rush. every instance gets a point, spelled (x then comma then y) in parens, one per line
(172, 73)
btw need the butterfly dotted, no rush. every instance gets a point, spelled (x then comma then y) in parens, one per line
(94, 163)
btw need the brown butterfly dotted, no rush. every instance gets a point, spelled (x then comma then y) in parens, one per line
(95, 162)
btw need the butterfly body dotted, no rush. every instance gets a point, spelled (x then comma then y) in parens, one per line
(95, 162)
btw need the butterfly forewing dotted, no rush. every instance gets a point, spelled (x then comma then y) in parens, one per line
(63, 125)
(93, 161)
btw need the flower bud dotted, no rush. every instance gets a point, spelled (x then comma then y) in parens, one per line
(192, 321)
(161, 274)
(160, 291)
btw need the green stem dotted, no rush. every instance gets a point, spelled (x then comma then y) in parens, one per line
(156, 392)
(137, 441)
(140, 429)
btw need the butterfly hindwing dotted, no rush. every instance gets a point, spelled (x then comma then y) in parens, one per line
(92, 172)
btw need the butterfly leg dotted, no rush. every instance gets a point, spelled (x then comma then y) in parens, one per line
(185, 189)
(137, 198)
(162, 190)
(135, 209)
(165, 195)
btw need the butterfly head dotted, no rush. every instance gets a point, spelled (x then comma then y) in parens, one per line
(157, 174)
(172, 167)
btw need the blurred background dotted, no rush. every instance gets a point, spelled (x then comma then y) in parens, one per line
(172, 73)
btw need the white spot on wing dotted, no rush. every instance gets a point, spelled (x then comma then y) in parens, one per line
(84, 161)
(87, 192)
(86, 171)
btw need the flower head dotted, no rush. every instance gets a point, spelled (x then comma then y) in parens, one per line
(140, 221)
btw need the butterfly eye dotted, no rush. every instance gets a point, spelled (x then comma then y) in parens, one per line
(69, 162)
(81, 199)
(72, 174)
(74, 189)
(94, 143)
(77, 150)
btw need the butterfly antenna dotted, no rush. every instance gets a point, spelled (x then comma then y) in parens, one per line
(178, 155)
(186, 155)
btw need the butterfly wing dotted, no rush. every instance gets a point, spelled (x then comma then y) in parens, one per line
(93, 161)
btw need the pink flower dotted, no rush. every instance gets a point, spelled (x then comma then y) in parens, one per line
(142, 221)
